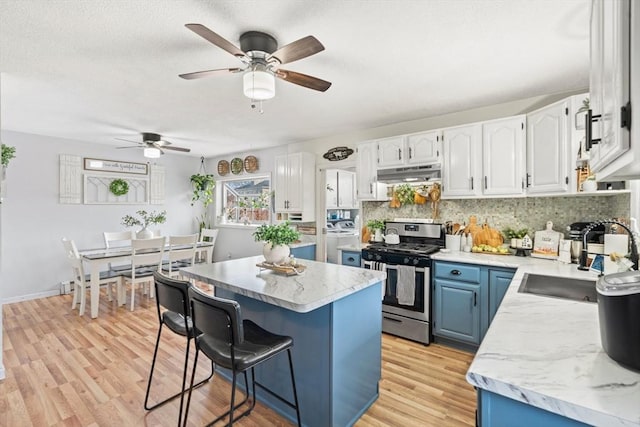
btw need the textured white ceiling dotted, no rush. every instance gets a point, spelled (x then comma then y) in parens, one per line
(95, 70)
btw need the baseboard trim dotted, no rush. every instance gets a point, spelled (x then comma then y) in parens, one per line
(46, 294)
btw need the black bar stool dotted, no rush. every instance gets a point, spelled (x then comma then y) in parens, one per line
(237, 345)
(172, 295)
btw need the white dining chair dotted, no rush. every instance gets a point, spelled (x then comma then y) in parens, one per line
(80, 279)
(207, 235)
(114, 239)
(146, 257)
(181, 253)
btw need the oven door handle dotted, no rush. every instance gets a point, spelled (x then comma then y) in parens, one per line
(395, 267)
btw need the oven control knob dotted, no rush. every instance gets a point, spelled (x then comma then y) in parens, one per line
(378, 257)
(405, 261)
(416, 261)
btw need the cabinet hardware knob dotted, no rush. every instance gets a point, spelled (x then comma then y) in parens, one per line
(456, 272)
(589, 119)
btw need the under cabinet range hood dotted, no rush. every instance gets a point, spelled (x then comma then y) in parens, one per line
(424, 173)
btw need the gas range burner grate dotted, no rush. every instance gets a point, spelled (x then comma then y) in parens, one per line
(404, 248)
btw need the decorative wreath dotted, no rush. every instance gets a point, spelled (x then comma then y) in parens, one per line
(119, 187)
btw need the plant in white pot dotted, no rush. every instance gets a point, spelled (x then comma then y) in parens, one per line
(276, 240)
(145, 219)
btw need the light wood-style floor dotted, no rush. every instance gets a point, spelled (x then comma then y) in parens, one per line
(67, 370)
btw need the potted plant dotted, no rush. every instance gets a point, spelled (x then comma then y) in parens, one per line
(144, 219)
(8, 153)
(406, 194)
(276, 239)
(376, 226)
(203, 185)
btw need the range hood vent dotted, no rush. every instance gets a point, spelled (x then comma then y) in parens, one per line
(431, 173)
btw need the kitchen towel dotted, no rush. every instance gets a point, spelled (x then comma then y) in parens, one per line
(406, 285)
(381, 266)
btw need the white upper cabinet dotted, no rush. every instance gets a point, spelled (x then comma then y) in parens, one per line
(503, 146)
(547, 149)
(610, 94)
(409, 150)
(423, 147)
(294, 185)
(368, 187)
(391, 152)
(341, 189)
(462, 161)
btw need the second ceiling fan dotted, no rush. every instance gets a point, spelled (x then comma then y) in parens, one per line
(262, 59)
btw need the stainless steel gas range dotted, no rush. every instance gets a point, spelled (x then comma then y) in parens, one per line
(406, 306)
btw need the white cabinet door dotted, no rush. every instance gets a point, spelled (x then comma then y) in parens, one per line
(547, 149)
(366, 169)
(346, 197)
(503, 146)
(332, 189)
(294, 186)
(391, 152)
(609, 79)
(280, 183)
(423, 147)
(462, 162)
(294, 183)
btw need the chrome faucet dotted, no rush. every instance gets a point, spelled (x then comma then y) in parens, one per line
(582, 265)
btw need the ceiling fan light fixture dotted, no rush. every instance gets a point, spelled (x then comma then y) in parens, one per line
(152, 152)
(259, 84)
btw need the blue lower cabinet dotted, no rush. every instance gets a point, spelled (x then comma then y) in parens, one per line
(495, 410)
(351, 258)
(305, 252)
(499, 281)
(457, 313)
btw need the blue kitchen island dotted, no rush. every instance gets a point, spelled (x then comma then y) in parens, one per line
(333, 313)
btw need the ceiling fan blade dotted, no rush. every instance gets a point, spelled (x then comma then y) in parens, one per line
(216, 39)
(298, 49)
(207, 73)
(156, 146)
(303, 80)
(130, 146)
(128, 140)
(184, 150)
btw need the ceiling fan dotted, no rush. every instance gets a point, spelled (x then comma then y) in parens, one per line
(262, 59)
(153, 145)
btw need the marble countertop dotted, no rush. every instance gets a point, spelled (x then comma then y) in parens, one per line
(546, 351)
(301, 244)
(353, 248)
(320, 284)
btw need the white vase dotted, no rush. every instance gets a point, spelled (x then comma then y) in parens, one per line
(145, 233)
(277, 254)
(377, 236)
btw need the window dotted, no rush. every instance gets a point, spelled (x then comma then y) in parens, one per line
(245, 201)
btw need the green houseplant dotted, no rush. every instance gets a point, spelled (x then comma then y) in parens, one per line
(276, 238)
(203, 185)
(144, 219)
(376, 226)
(8, 153)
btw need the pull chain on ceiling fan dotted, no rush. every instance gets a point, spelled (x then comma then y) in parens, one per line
(262, 58)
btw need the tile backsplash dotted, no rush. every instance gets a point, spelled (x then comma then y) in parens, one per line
(530, 212)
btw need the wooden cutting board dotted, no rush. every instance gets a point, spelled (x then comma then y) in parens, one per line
(546, 243)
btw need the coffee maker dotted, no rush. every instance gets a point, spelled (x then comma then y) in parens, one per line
(576, 231)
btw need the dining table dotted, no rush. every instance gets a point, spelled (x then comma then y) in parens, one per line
(96, 259)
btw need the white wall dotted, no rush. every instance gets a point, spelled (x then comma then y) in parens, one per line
(33, 261)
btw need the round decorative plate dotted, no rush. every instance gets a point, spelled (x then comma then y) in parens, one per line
(223, 167)
(250, 164)
(236, 166)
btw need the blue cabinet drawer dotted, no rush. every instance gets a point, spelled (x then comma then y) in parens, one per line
(351, 258)
(457, 272)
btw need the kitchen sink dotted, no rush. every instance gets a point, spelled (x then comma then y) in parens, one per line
(559, 287)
